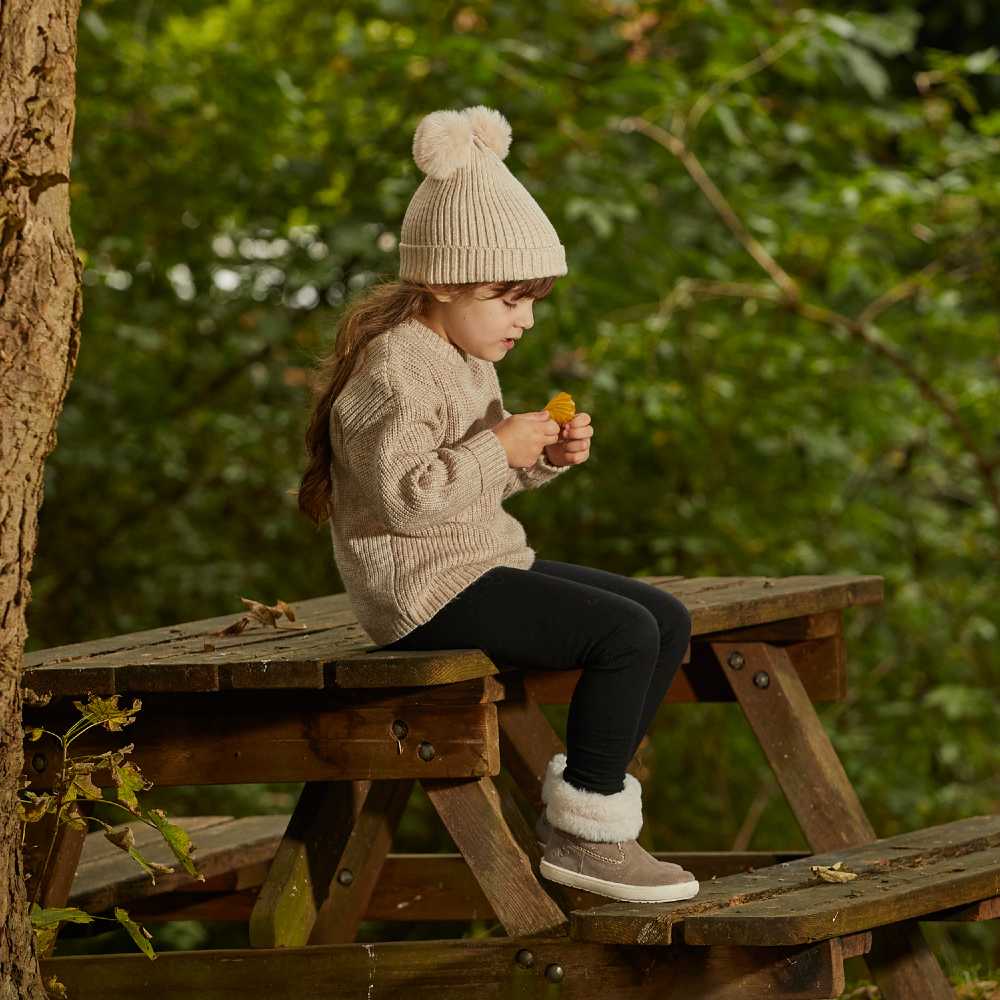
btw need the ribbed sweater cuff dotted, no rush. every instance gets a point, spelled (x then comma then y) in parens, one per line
(543, 471)
(491, 456)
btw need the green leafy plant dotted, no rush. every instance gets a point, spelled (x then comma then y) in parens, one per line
(74, 784)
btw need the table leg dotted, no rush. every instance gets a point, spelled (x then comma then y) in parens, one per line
(335, 825)
(472, 812)
(820, 794)
(361, 861)
(49, 885)
(527, 744)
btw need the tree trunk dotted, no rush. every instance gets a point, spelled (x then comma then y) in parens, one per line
(40, 308)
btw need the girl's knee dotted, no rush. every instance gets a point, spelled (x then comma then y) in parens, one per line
(675, 619)
(639, 628)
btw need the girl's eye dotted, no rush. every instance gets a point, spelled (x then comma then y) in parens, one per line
(510, 305)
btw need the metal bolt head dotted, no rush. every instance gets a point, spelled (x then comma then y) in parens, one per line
(399, 729)
(345, 876)
(735, 660)
(39, 762)
(426, 750)
(525, 958)
(761, 679)
(554, 973)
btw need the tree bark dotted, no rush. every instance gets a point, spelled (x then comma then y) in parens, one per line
(40, 309)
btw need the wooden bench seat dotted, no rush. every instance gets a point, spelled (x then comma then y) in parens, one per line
(235, 854)
(754, 897)
(941, 871)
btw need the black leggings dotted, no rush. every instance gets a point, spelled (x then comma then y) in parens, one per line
(628, 637)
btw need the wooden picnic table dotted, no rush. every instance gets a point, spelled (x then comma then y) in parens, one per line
(319, 704)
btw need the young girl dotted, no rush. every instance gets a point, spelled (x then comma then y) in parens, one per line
(412, 456)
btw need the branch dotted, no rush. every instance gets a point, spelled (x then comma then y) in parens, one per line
(859, 327)
(717, 199)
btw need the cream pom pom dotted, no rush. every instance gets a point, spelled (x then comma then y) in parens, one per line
(442, 142)
(491, 127)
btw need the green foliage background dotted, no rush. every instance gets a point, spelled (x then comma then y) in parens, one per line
(241, 169)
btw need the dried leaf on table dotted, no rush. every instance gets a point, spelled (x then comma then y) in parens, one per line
(833, 873)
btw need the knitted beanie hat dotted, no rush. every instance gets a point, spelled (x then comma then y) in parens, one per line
(470, 219)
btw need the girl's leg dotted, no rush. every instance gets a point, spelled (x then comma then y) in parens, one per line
(521, 618)
(673, 619)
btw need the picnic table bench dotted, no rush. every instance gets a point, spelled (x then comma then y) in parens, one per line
(359, 726)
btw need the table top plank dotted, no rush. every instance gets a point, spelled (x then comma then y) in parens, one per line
(326, 647)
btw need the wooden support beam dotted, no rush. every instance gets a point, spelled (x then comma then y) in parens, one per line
(291, 741)
(822, 798)
(462, 970)
(298, 881)
(471, 810)
(360, 864)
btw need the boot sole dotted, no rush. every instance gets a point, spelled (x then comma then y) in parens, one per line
(619, 890)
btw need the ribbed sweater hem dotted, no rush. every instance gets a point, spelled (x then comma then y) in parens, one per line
(446, 587)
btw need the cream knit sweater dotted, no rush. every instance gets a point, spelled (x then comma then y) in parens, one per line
(419, 479)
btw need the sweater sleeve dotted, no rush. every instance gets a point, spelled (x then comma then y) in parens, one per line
(394, 445)
(542, 472)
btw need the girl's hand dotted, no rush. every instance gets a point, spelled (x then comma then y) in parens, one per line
(573, 446)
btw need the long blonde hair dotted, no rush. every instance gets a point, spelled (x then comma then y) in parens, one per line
(373, 311)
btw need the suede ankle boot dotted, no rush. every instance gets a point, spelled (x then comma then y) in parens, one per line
(592, 844)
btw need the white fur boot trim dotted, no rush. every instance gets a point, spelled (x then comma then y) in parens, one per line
(553, 772)
(593, 816)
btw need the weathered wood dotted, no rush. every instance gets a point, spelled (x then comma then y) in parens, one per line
(224, 741)
(881, 895)
(984, 909)
(899, 858)
(816, 626)
(823, 800)
(778, 708)
(819, 662)
(326, 647)
(360, 863)
(483, 969)
(855, 945)
(471, 811)
(106, 879)
(50, 852)
(298, 880)
(904, 967)
(412, 887)
(718, 603)
(527, 744)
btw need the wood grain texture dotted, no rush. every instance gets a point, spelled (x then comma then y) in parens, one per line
(472, 813)
(461, 970)
(216, 739)
(825, 803)
(900, 860)
(325, 647)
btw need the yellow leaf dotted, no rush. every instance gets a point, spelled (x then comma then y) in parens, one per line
(561, 408)
(54, 988)
(107, 712)
(36, 806)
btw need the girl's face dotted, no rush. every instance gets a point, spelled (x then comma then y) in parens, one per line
(483, 327)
